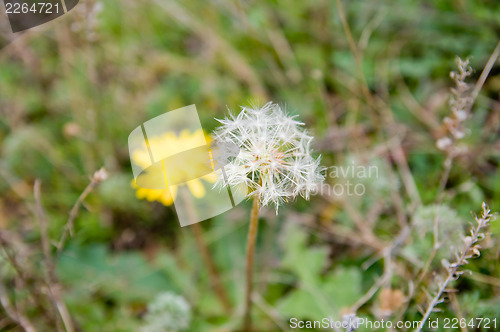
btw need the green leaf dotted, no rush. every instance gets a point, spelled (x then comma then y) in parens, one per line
(307, 263)
(300, 303)
(343, 286)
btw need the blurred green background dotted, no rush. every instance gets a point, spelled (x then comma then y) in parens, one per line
(72, 90)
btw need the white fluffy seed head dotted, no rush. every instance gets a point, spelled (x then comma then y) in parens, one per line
(275, 160)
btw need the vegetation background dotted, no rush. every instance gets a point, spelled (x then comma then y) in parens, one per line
(373, 89)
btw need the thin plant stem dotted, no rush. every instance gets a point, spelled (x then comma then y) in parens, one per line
(486, 71)
(14, 314)
(206, 255)
(365, 90)
(444, 179)
(210, 265)
(469, 251)
(252, 237)
(97, 178)
(54, 291)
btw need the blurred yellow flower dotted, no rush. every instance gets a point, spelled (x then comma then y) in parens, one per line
(172, 144)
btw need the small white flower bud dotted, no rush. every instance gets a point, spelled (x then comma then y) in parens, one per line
(100, 175)
(443, 143)
(468, 241)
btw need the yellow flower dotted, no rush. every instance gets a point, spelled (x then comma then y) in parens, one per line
(171, 145)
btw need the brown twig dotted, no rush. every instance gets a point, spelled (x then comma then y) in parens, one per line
(470, 250)
(210, 265)
(97, 178)
(14, 314)
(252, 237)
(51, 278)
(404, 170)
(486, 71)
(458, 311)
(271, 311)
(206, 256)
(359, 64)
(483, 278)
(24, 276)
(365, 231)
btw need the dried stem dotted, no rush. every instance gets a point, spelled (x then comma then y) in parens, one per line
(210, 265)
(23, 274)
(470, 250)
(486, 71)
(97, 178)
(369, 294)
(359, 61)
(205, 253)
(252, 236)
(13, 314)
(50, 278)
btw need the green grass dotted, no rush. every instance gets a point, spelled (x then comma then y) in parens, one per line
(69, 97)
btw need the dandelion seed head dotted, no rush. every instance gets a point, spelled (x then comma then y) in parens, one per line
(275, 160)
